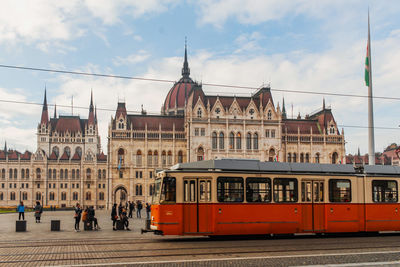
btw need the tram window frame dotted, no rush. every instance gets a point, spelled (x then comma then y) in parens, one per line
(384, 192)
(168, 191)
(346, 198)
(295, 191)
(229, 194)
(264, 194)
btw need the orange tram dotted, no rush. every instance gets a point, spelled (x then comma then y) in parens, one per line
(246, 197)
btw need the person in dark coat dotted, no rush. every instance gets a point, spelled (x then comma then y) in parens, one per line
(77, 216)
(148, 211)
(114, 215)
(124, 219)
(38, 211)
(21, 211)
(139, 207)
(120, 208)
(131, 208)
(92, 218)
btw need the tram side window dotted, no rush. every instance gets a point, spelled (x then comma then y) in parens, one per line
(168, 191)
(258, 190)
(384, 191)
(230, 189)
(339, 190)
(285, 190)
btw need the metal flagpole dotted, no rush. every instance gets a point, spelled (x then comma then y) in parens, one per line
(371, 138)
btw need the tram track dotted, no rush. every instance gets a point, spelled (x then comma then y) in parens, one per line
(135, 253)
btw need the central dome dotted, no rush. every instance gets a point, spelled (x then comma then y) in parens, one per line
(177, 96)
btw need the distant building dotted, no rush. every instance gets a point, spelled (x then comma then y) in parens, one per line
(67, 167)
(195, 126)
(380, 159)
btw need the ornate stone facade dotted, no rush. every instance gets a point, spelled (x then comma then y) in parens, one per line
(195, 126)
(67, 167)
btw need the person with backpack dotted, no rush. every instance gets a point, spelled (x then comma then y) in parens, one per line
(21, 211)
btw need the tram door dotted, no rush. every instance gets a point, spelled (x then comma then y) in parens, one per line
(312, 196)
(196, 208)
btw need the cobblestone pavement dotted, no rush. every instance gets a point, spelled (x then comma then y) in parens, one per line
(41, 247)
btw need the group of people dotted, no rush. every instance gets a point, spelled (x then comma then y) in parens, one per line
(122, 213)
(87, 215)
(38, 209)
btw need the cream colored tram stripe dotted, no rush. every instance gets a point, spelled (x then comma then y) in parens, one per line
(235, 259)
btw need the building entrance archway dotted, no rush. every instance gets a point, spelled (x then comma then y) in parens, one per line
(120, 194)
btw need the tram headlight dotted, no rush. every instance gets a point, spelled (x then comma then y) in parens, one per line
(152, 218)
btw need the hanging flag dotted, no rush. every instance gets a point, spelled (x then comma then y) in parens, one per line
(367, 66)
(120, 163)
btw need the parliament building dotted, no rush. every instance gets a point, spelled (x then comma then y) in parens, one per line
(69, 166)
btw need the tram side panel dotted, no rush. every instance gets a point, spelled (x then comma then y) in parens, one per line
(382, 207)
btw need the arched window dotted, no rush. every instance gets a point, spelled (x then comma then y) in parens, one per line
(88, 173)
(155, 158)
(231, 140)
(214, 140)
(67, 151)
(169, 159)
(101, 196)
(24, 196)
(10, 171)
(66, 174)
(75, 196)
(51, 196)
(294, 157)
(139, 158)
(149, 158)
(301, 157)
(50, 173)
(121, 156)
(73, 174)
(307, 158)
(3, 173)
(164, 158)
(199, 113)
(98, 174)
(63, 196)
(180, 156)
(12, 196)
(56, 151)
(38, 173)
(248, 141)
(221, 140)
(61, 174)
(104, 174)
(317, 156)
(88, 196)
(54, 173)
(238, 140)
(27, 173)
(1, 196)
(200, 154)
(38, 196)
(139, 190)
(289, 157)
(15, 173)
(78, 174)
(271, 155)
(269, 115)
(334, 158)
(22, 173)
(255, 141)
(78, 151)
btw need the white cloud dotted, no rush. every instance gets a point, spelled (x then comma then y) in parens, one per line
(46, 20)
(140, 56)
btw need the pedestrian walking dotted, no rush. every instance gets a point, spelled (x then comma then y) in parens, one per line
(38, 211)
(21, 211)
(131, 208)
(148, 210)
(77, 216)
(114, 216)
(120, 208)
(124, 219)
(92, 218)
(139, 207)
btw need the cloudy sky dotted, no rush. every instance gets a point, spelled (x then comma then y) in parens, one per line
(310, 45)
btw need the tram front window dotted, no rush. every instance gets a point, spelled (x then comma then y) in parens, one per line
(168, 190)
(157, 191)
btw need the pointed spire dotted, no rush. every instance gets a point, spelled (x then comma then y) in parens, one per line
(283, 109)
(91, 119)
(185, 69)
(55, 111)
(5, 146)
(45, 113)
(359, 154)
(323, 103)
(95, 113)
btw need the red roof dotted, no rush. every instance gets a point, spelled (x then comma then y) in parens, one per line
(76, 156)
(64, 156)
(101, 157)
(2, 154)
(178, 94)
(26, 156)
(13, 155)
(139, 122)
(72, 124)
(53, 156)
(305, 126)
